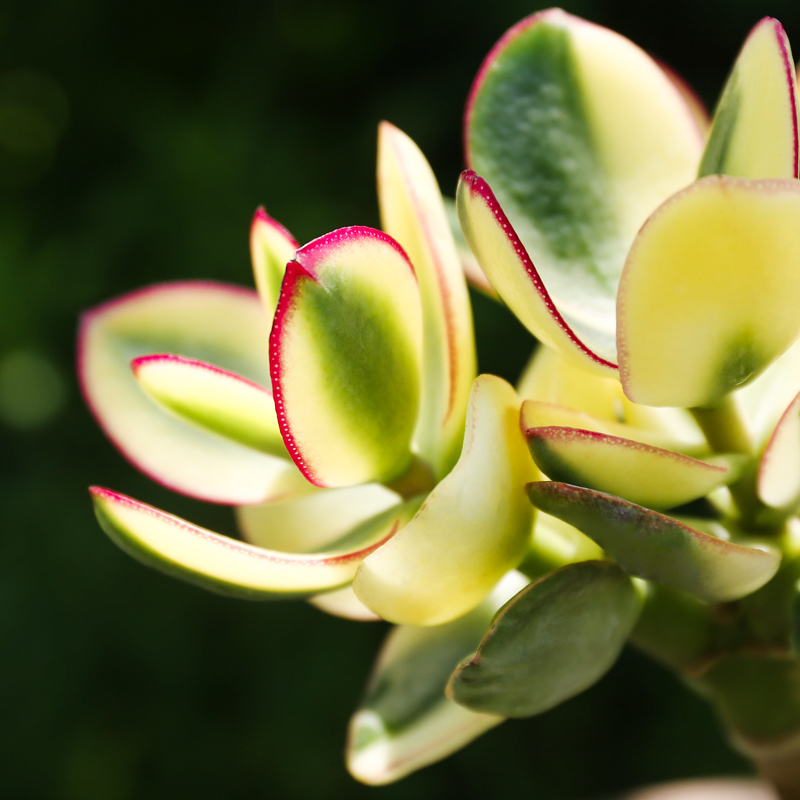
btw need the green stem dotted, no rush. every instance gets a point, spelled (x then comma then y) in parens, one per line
(725, 432)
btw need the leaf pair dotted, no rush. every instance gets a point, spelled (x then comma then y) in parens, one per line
(582, 139)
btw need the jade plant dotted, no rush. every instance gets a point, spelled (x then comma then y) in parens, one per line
(642, 482)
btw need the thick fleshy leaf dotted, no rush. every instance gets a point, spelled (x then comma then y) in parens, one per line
(475, 276)
(413, 213)
(647, 475)
(471, 529)
(405, 721)
(762, 403)
(581, 135)
(754, 132)
(215, 323)
(311, 522)
(271, 249)
(710, 291)
(345, 358)
(650, 545)
(228, 566)
(506, 263)
(779, 471)
(216, 400)
(344, 603)
(552, 641)
(552, 380)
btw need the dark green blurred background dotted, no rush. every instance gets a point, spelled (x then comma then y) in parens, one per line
(136, 140)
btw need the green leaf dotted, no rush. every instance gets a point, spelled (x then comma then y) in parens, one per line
(472, 528)
(413, 213)
(214, 399)
(710, 291)
(231, 567)
(345, 358)
(405, 721)
(581, 136)
(658, 548)
(641, 473)
(271, 249)
(552, 641)
(754, 132)
(214, 323)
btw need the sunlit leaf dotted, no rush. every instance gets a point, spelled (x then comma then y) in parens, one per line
(754, 132)
(214, 399)
(647, 475)
(779, 470)
(710, 291)
(271, 249)
(345, 358)
(472, 528)
(413, 213)
(581, 135)
(228, 566)
(214, 323)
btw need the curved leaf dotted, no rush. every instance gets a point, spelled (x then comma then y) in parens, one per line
(345, 358)
(212, 398)
(779, 470)
(506, 263)
(209, 322)
(413, 213)
(710, 291)
(314, 520)
(552, 641)
(647, 475)
(650, 545)
(343, 603)
(228, 566)
(581, 135)
(405, 721)
(754, 131)
(472, 528)
(550, 379)
(271, 249)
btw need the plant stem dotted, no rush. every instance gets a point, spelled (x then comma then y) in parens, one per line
(725, 432)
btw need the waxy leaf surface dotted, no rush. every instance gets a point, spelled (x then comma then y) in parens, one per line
(313, 520)
(214, 323)
(228, 566)
(550, 379)
(271, 249)
(345, 358)
(214, 399)
(641, 473)
(710, 291)
(649, 545)
(413, 213)
(779, 470)
(580, 135)
(405, 721)
(506, 263)
(472, 528)
(555, 639)
(754, 132)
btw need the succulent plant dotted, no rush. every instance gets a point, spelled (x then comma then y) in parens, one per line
(642, 482)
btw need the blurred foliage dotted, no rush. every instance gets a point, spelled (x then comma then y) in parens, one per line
(136, 140)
